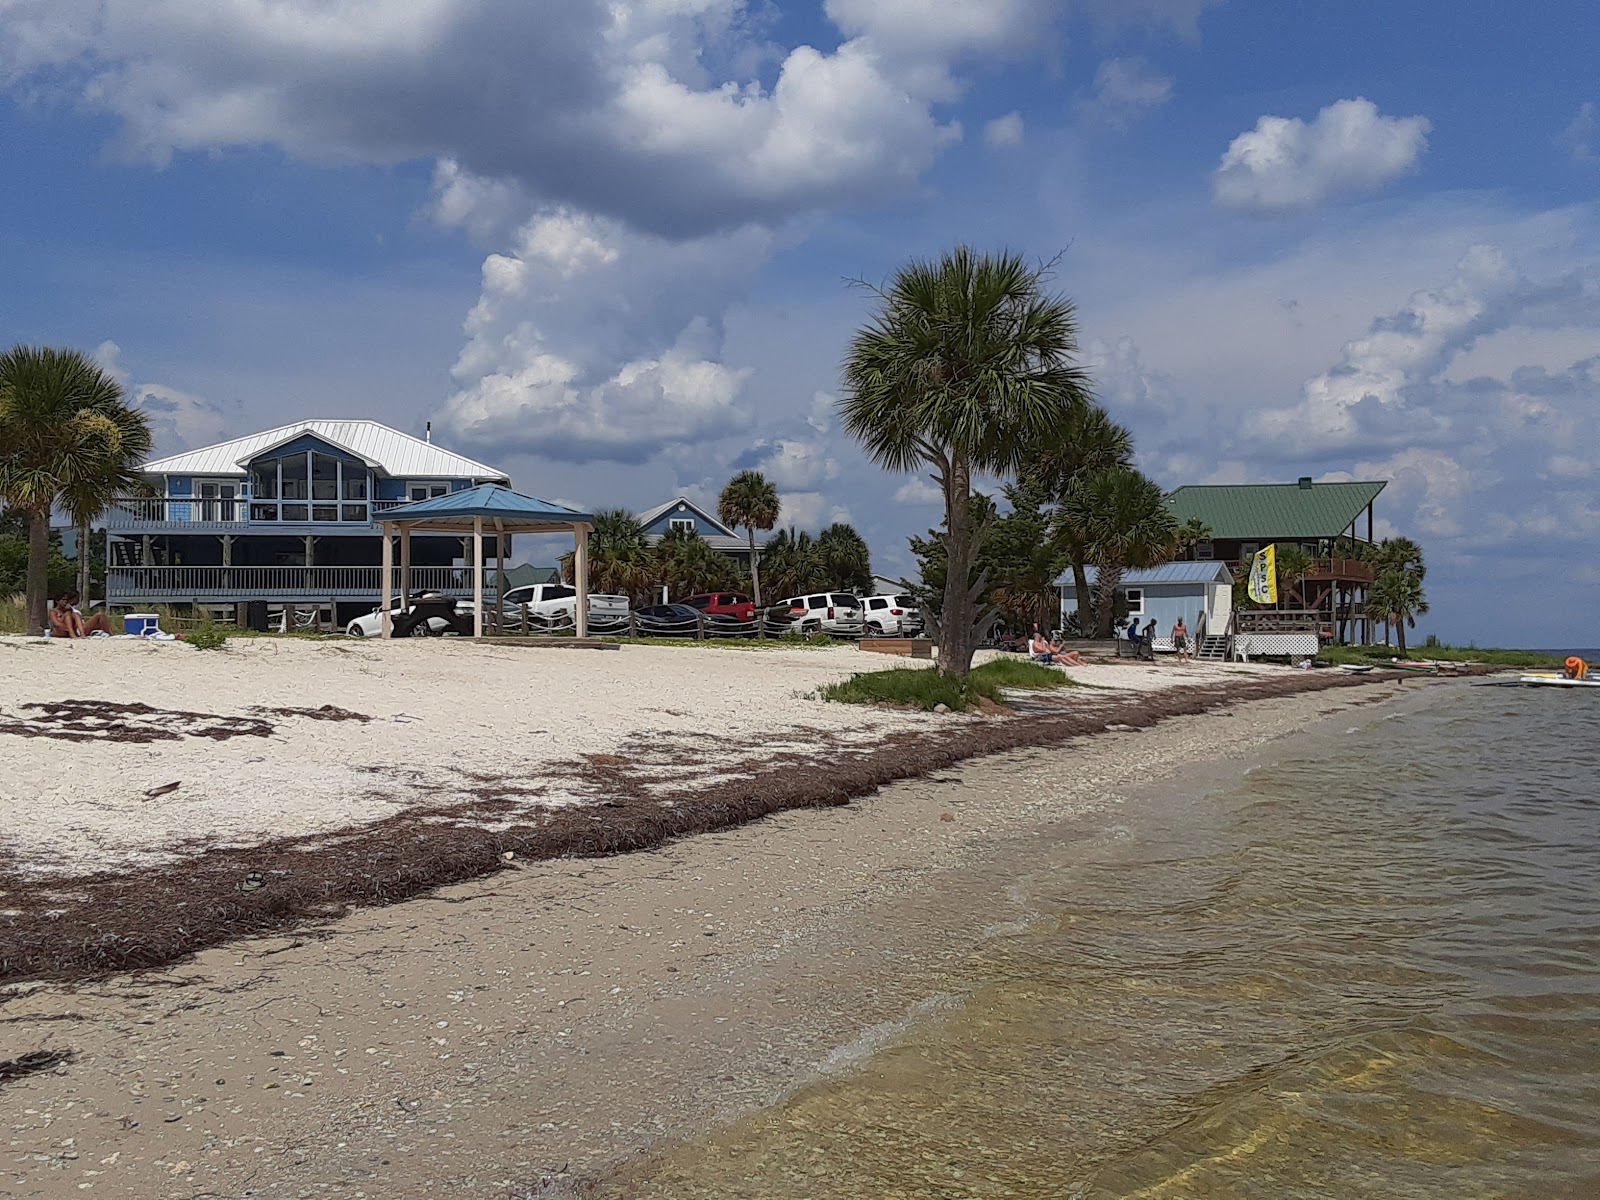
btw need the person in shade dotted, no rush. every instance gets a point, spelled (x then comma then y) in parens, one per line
(1575, 668)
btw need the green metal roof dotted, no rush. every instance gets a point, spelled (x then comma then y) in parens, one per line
(1263, 511)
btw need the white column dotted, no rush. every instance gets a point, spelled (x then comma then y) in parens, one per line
(384, 571)
(580, 568)
(477, 576)
(405, 565)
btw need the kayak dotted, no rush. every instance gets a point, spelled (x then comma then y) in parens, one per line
(1557, 681)
(1354, 669)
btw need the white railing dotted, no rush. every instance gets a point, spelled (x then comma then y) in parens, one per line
(265, 582)
(133, 512)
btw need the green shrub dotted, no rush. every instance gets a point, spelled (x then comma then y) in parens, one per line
(210, 638)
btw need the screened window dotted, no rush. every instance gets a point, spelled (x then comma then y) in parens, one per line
(1135, 602)
(309, 486)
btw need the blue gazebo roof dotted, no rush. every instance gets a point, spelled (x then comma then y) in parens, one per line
(492, 502)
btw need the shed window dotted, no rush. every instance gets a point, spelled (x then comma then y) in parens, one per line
(1135, 597)
(1249, 549)
(1205, 551)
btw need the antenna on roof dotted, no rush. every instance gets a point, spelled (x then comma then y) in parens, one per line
(428, 432)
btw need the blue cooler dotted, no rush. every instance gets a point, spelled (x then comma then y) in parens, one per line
(139, 624)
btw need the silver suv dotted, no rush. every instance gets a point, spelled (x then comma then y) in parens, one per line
(837, 614)
(892, 616)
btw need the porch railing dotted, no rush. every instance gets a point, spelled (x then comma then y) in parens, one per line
(265, 583)
(1282, 620)
(136, 512)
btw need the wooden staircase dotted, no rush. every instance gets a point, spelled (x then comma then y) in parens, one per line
(1213, 648)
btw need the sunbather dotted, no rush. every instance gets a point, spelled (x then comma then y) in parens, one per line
(67, 622)
(1044, 650)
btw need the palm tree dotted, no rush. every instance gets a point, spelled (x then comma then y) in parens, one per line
(793, 564)
(1294, 564)
(1088, 441)
(66, 437)
(1192, 531)
(621, 560)
(687, 564)
(1396, 598)
(751, 500)
(844, 558)
(1121, 519)
(966, 369)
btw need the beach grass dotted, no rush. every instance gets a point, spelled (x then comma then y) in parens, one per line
(1382, 655)
(925, 688)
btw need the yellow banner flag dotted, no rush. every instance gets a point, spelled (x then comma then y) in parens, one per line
(1263, 586)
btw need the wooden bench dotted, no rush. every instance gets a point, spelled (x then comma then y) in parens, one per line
(905, 647)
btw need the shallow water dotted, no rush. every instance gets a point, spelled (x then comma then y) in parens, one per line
(1366, 969)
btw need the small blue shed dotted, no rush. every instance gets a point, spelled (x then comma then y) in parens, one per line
(1177, 589)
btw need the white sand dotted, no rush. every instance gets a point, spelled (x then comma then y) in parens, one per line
(445, 716)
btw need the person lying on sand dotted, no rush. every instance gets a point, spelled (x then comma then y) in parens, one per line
(67, 622)
(1043, 650)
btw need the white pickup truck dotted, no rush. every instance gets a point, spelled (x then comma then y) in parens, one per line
(556, 604)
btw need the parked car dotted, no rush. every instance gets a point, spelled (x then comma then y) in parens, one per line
(892, 616)
(837, 614)
(371, 624)
(684, 620)
(549, 604)
(723, 604)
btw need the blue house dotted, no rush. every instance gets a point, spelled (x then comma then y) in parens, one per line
(287, 516)
(683, 513)
(1191, 590)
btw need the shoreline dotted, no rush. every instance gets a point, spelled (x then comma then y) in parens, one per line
(642, 793)
(531, 1028)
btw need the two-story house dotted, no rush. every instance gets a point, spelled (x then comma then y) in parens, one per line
(287, 516)
(683, 513)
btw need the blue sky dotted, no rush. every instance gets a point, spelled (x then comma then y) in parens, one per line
(605, 246)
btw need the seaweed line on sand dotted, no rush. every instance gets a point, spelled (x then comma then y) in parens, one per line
(152, 917)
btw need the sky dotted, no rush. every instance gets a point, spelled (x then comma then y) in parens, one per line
(616, 249)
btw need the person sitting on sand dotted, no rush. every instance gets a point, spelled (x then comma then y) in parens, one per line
(67, 622)
(1180, 640)
(1576, 668)
(1045, 651)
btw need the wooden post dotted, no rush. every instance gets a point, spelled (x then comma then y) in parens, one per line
(384, 581)
(405, 566)
(500, 571)
(477, 577)
(580, 568)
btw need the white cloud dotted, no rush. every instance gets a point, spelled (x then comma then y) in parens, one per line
(919, 490)
(1125, 89)
(1580, 138)
(1004, 132)
(811, 510)
(178, 420)
(656, 112)
(796, 463)
(1348, 149)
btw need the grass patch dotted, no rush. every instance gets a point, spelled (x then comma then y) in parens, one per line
(925, 688)
(1380, 655)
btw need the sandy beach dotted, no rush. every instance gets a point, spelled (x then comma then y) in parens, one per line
(513, 1035)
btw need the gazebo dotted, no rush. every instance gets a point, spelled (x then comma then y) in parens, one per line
(489, 507)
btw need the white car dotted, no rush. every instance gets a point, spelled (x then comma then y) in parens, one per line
(837, 614)
(557, 604)
(892, 616)
(371, 625)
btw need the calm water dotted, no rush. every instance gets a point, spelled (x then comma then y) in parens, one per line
(1369, 969)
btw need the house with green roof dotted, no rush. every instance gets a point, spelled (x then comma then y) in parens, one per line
(1318, 517)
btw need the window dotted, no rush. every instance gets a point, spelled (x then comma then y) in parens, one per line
(1205, 551)
(877, 602)
(840, 600)
(684, 524)
(559, 593)
(1249, 549)
(427, 491)
(816, 602)
(218, 499)
(700, 601)
(905, 601)
(308, 475)
(1135, 597)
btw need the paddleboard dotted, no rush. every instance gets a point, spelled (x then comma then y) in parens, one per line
(1557, 681)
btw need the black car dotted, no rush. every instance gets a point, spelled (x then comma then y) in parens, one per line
(680, 620)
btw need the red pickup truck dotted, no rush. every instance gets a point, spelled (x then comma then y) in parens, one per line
(723, 604)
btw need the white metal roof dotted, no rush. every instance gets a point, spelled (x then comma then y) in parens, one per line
(395, 453)
(725, 543)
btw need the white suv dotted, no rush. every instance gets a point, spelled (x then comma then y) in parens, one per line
(892, 616)
(837, 614)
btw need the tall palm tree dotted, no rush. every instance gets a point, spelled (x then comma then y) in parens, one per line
(751, 500)
(967, 368)
(66, 437)
(1293, 564)
(793, 565)
(1121, 519)
(1396, 598)
(1088, 441)
(686, 564)
(844, 558)
(621, 560)
(1192, 531)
